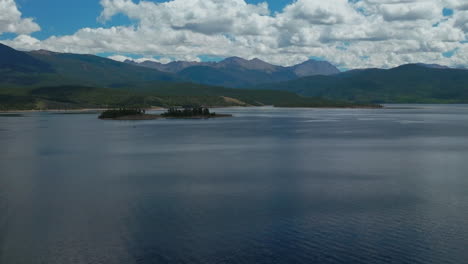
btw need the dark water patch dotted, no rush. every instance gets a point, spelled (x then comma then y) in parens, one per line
(11, 115)
(265, 187)
(76, 113)
(3, 220)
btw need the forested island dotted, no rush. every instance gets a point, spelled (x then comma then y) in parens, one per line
(186, 112)
(191, 112)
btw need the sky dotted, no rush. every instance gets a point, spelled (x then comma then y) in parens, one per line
(348, 33)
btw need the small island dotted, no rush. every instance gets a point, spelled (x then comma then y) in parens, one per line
(186, 112)
(191, 113)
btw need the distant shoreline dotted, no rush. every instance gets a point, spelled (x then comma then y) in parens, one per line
(84, 110)
(78, 110)
(331, 107)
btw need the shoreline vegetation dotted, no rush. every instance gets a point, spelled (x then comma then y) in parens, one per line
(68, 97)
(186, 112)
(94, 110)
(97, 110)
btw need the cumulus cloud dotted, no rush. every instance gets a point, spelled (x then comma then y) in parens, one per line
(461, 20)
(329, 12)
(163, 60)
(350, 34)
(11, 20)
(409, 11)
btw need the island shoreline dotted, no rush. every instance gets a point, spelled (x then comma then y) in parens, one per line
(156, 117)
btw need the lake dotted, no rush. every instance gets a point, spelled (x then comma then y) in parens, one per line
(266, 186)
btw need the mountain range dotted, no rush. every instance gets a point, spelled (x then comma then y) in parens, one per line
(42, 67)
(16, 61)
(208, 82)
(238, 72)
(44, 80)
(410, 83)
(69, 68)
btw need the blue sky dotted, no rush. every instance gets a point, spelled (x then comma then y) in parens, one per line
(348, 33)
(64, 17)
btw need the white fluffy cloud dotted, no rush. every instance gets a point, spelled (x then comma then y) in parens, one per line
(11, 21)
(350, 34)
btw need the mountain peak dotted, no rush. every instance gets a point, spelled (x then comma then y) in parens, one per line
(433, 66)
(257, 60)
(171, 67)
(234, 59)
(314, 61)
(310, 61)
(12, 59)
(315, 67)
(149, 62)
(239, 72)
(253, 64)
(43, 52)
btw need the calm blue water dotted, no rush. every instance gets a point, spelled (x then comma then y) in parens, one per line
(267, 186)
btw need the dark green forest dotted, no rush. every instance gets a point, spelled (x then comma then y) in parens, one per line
(405, 84)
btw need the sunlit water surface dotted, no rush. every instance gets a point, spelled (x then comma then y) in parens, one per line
(267, 186)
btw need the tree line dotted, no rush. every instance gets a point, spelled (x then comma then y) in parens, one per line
(188, 112)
